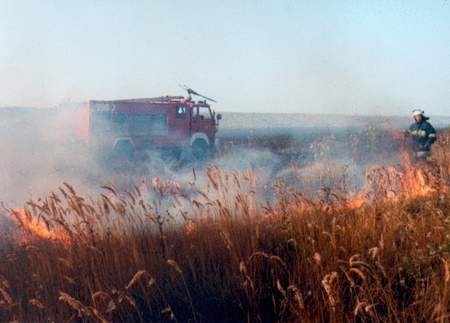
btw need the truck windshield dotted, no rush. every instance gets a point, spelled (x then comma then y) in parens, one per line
(203, 113)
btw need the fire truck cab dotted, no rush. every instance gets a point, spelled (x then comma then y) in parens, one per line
(169, 122)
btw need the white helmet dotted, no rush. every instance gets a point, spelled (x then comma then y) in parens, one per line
(418, 112)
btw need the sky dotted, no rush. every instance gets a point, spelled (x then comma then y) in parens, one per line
(330, 57)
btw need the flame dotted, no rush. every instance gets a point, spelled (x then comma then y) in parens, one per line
(166, 187)
(355, 202)
(74, 123)
(410, 180)
(418, 182)
(190, 228)
(384, 184)
(81, 120)
(38, 228)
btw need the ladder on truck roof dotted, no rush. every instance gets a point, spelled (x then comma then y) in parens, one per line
(166, 98)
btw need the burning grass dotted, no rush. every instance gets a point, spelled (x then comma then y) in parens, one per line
(217, 255)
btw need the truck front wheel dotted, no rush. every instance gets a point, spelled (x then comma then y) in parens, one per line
(200, 149)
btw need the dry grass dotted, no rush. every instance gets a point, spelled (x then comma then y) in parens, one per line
(224, 258)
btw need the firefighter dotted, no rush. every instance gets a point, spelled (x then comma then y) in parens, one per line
(422, 135)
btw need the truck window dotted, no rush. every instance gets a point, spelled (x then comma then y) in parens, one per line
(148, 124)
(181, 112)
(203, 113)
(107, 122)
(119, 123)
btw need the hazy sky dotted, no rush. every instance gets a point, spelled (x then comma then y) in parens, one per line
(364, 57)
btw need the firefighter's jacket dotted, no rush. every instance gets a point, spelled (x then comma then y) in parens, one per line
(423, 135)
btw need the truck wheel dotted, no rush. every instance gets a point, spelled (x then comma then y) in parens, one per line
(200, 149)
(124, 149)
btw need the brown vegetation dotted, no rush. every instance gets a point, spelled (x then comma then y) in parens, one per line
(225, 258)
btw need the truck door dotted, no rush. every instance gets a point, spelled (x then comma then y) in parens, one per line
(202, 121)
(180, 129)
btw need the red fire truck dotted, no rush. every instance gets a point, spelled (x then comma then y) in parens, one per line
(177, 123)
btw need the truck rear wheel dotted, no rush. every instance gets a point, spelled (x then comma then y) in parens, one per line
(200, 149)
(124, 149)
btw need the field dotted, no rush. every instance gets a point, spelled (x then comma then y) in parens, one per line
(308, 239)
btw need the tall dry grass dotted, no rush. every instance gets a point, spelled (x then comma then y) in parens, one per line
(218, 255)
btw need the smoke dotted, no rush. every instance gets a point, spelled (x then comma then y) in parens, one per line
(43, 148)
(39, 152)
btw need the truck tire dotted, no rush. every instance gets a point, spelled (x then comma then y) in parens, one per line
(200, 149)
(124, 149)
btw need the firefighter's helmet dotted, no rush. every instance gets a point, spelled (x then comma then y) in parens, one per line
(418, 112)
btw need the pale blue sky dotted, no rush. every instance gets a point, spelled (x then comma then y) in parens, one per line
(363, 57)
